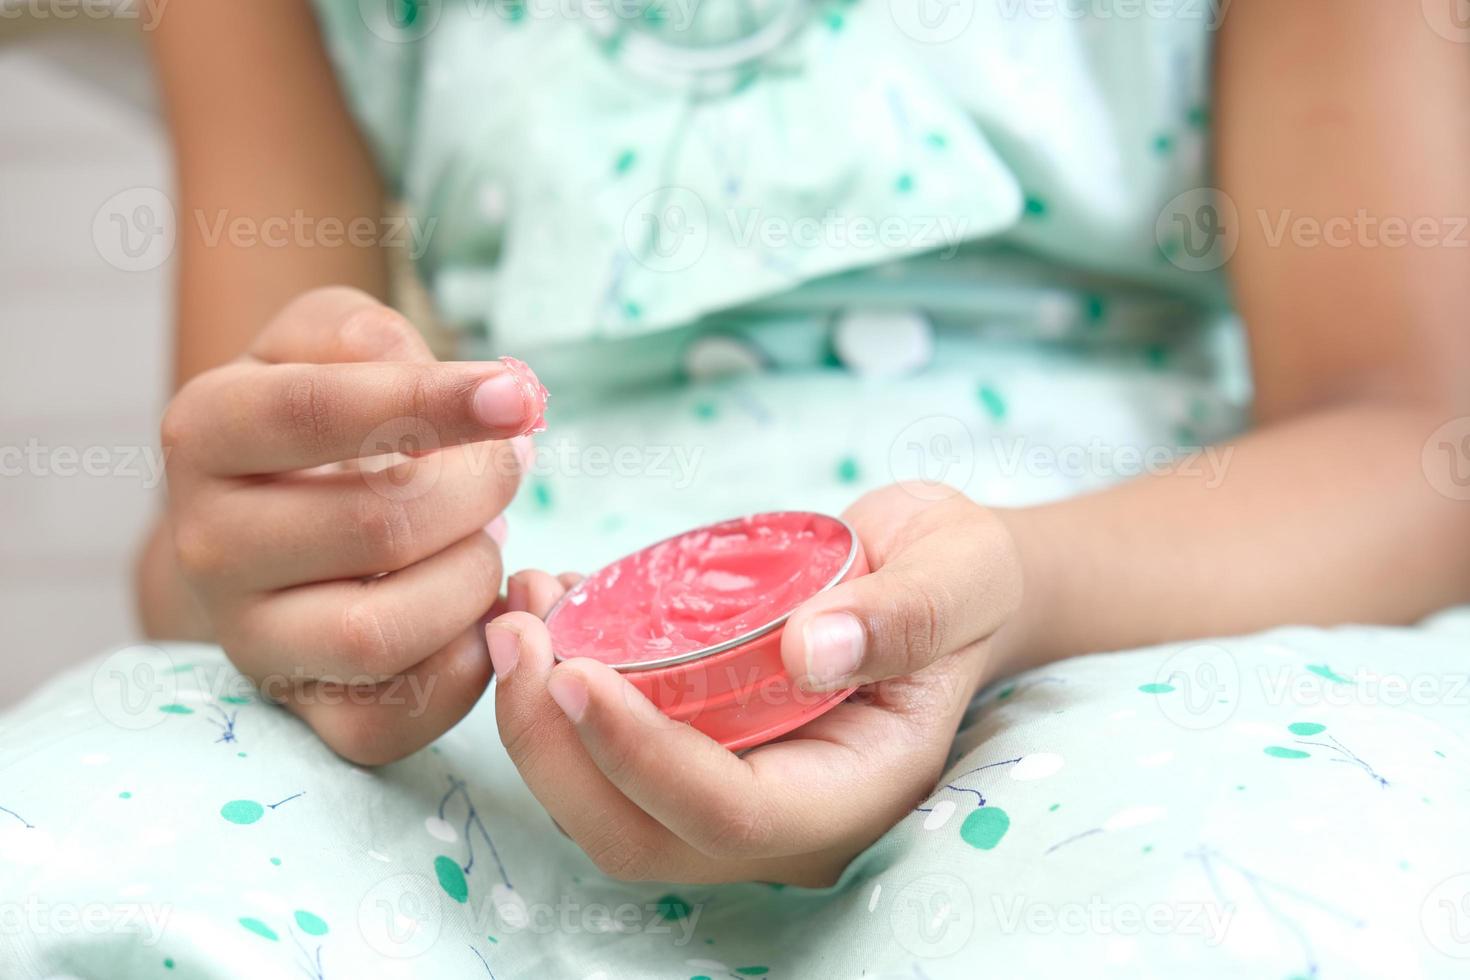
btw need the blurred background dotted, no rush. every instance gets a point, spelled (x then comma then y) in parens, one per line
(83, 353)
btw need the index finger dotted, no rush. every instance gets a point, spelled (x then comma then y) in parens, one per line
(252, 418)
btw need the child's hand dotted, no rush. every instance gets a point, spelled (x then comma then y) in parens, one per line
(650, 798)
(353, 597)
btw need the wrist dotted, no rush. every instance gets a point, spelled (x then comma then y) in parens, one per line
(1020, 643)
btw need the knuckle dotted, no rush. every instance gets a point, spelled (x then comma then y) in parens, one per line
(375, 331)
(358, 736)
(182, 424)
(307, 412)
(196, 549)
(922, 623)
(740, 829)
(368, 636)
(622, 857)
(386, 531)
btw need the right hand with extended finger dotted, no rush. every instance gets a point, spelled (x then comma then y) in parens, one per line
(334, 499)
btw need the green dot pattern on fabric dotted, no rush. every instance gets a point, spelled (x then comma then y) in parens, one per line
(176, 709)
(242, 811)
(276, 862)
(1280, 752)
(1324, 671)
(541, 493)
(1097, 308)
(1163, 144)
(1198, 117)
(451, 879)
(705, 410)
(312, 925)
(936, 140)
(752, 971)
(168, 964)
(1306, 728)
(232, 699)
(260, 929)
(1156, 688)
(1005, 692)
(1054, 808)
(847, 470)
(835, 22)
(904, 184)
(672, 908)
(699, 976)
(984, 828)
(1036, 207)
(125, 795)
(995, 405)
(625, 161)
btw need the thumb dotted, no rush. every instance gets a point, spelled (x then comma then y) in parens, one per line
(936, 595)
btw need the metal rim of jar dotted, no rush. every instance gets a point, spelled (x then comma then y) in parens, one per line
(733, 642)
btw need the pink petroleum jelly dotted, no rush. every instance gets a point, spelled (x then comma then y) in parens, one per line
(701, 589)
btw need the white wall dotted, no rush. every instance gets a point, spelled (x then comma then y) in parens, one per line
(82, 343)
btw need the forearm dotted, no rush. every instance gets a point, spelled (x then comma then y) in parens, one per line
(1329, 517)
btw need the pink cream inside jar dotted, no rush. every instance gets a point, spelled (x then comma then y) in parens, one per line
(695, 620)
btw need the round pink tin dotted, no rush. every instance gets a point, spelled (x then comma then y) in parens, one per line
(694, 621)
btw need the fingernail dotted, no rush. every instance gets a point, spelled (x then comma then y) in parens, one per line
(505, 650)
(533, 393)
(569, 692)
(834, 648)
(497, 529)
(500, 403)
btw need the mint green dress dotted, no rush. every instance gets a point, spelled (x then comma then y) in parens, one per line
(765, 255)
